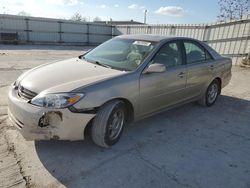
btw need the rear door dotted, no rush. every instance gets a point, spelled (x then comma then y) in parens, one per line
(160, 90)
(200, 68)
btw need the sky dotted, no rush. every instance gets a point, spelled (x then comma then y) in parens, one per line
(158, 11)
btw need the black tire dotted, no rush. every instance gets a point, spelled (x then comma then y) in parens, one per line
(103, 122)
(206, 99)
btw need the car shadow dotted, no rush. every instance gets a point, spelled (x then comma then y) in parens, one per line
(170, 144)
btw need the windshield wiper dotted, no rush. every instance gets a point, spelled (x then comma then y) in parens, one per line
(97, 62)
(103, 65)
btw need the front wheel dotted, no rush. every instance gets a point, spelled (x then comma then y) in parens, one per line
(211, 94)
(108, 124)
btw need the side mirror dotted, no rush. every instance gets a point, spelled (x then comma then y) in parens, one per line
(155, 68)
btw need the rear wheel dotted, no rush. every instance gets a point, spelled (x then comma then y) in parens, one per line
(211, 94)
(108, 124)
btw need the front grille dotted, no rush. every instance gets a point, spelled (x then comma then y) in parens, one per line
(25, 93)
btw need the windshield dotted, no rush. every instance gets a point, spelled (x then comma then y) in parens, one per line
(121, 54)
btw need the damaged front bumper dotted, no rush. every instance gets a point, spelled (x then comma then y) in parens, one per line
(37, 123)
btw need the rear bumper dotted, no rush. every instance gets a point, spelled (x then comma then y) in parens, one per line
(59, 124)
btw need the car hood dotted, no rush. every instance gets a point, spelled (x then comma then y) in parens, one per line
(65, 76)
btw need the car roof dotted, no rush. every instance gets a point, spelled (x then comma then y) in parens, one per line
(150, 37)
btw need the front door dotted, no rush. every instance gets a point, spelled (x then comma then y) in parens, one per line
(160, 90)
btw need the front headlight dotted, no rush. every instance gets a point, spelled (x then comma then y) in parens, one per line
(57, 100)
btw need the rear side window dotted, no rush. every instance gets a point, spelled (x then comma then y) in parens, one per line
(196, 53)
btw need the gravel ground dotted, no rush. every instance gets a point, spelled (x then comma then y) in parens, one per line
(190, 146)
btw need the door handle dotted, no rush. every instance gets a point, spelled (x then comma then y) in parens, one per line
(181, 74)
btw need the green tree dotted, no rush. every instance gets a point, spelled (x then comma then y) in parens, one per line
(78, 17)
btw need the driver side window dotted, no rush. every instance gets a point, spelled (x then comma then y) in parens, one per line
(169, 55)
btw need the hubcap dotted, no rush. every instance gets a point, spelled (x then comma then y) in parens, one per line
(212, 93)
(116, 124)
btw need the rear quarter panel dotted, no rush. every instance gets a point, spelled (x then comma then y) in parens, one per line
(224, 70)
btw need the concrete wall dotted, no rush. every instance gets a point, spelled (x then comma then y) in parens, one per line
(46, 30)
(230, 38)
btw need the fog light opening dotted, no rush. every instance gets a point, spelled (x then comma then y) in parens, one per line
(43, 121)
